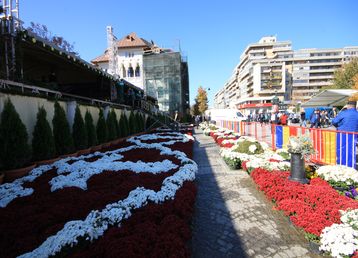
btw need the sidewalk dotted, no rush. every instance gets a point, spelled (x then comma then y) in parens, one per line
(232, 218)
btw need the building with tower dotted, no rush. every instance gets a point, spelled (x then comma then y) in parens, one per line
(161, 73)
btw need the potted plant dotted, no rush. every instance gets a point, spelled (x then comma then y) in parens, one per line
(14, 148)
(43, 143)
(300, 148)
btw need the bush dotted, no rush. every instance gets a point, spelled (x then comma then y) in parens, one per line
(61, 131)
(233, 163)
(249, 147)
(14, 148)
(132, 125)
(91, 130)
(123, 126)
(139, 122)
(149, 123)
(112, 125)
(43, 142)
(102, 130)
(79, 131)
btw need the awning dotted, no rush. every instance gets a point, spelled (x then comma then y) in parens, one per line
(330, 98)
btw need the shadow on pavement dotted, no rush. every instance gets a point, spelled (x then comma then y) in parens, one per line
(214, 234)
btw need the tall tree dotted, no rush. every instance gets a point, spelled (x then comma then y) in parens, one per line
(344, 77)
(355, 86)
(194, 110)
(202, 100)
(42, 31)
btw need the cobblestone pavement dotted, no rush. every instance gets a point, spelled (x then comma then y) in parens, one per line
(232, 218)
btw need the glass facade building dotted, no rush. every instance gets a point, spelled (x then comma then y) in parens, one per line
(166, 78)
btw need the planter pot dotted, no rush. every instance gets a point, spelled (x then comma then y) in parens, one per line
(2, 176)
(290, 221)
(75, 154)
(340, 188)
(116, 142)
(48, 161)
(314, 247)
(106, 145)
(11, 175)
(298, 172)
(84, 151)
(96, 148)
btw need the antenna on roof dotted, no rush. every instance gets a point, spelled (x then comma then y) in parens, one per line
(179, 45)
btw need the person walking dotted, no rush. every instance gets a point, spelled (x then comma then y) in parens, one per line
(197, 121)
(283, 119)
(333, 113)
(303, 117)
(315, 119)
(347, 120)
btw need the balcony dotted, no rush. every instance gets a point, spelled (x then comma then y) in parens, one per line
(322, 70)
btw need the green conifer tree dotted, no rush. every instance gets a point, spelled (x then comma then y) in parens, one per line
(102, 130)
(14, 148)
(79, 131)
(123, 125)
(91, 130)
(112, 125)
(43, 142)
(61, 131)
(132, 124)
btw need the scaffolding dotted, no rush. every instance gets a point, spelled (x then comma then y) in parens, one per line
(167, 80)
(9, 25)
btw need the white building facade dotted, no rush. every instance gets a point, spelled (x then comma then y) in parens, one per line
(270, 67)
(128, 59)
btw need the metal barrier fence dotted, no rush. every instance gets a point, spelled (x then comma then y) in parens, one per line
(332, 147)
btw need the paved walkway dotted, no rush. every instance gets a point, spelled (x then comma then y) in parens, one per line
(232, 218)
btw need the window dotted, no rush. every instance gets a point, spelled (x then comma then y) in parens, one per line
(130, 71)
(137, 71)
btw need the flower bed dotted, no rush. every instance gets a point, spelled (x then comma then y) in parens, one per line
(341, 239)
(325, 214)
(73, 207)
(339, 176)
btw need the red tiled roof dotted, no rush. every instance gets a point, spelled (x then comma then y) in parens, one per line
(129, 41)
(101, 58)
(133, 41)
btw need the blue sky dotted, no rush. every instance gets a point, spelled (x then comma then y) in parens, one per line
(212, 34)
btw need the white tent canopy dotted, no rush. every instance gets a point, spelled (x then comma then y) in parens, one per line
(330, 98)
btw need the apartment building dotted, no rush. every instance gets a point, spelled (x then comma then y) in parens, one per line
(270, 67)
(314, 69)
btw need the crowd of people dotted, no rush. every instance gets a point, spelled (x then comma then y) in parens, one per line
(344, 120)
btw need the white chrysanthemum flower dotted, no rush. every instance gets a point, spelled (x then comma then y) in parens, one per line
(252, 148)
(340, 240)
(338, 173)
